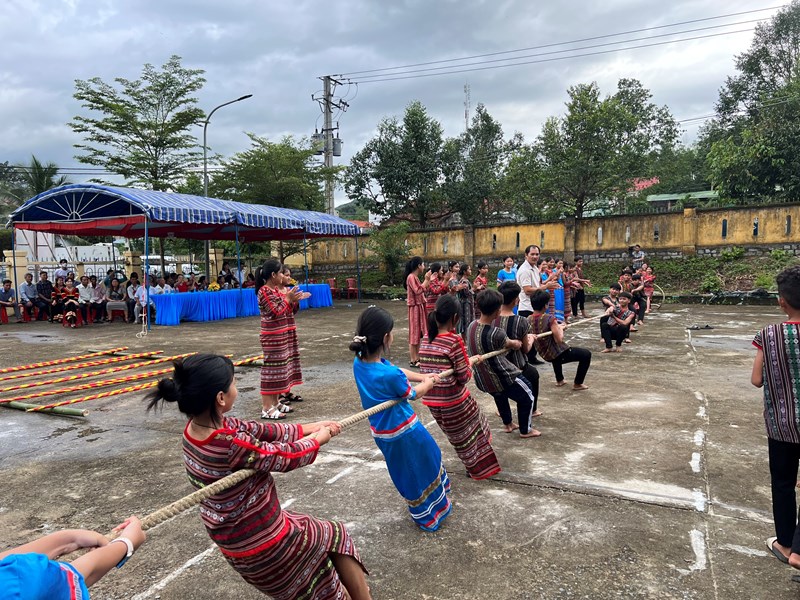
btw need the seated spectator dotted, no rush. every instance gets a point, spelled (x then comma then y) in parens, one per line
(202, 284)
(44, 295)
(250, 281)
(180, 284)
(31, 572)
(85, 295)
(162, 287)
(141, 295)
(115, 274)
(228, 277)
(57, 301)
(8, 299)
(115, 300)
(191, 283)
(98, 299)
(618, 323)
(499, 376)
(552, 348)
(27, 295)
(221, 283)
(133, 285)
(70, 302)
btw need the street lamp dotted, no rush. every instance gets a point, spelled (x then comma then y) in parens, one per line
(205, 174)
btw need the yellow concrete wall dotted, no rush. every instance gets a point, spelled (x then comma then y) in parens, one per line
(642, 232)
(771, 226)
(550, 236)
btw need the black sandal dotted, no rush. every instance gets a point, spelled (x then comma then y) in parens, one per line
(414, 364)
(290, 397)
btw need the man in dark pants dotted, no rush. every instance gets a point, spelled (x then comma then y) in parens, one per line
(44, 294)
(530, 281)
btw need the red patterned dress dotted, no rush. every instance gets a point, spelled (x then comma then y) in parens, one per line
(283, 554)
(436, 287)
(415, 299)
(454, 408)
(281, 370)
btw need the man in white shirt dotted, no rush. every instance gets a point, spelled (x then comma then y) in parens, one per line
(61, 271)
(530, 282)
(162, 288)
(141, 296)
(85, 296)
(27, 295)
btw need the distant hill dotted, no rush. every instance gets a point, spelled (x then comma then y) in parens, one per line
(352, 211)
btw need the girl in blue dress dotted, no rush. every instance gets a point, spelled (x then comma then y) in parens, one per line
(413, 459)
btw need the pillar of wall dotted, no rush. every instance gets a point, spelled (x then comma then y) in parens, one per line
(689, 243)
(21, 259)
(132, 261)
(216, 258)
(469, 245)
(570, 231)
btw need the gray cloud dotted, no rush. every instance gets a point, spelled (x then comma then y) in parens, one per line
(277, 51)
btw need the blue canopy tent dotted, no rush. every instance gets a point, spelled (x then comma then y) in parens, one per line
(92, 209)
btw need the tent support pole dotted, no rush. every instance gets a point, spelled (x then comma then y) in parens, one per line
(358, 270)
(305, 258)
(146, 312)
(238, 257)
(14, 263)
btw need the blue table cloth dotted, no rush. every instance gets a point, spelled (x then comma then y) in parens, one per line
(320, 295)
(171, 309)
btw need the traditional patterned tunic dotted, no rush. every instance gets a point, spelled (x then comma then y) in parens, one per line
(466, 303)
(547, 347)
(412, 457)
(436, 287)
(780, 343)
(283, 554)
(454, 408)
(415, 299)
(281, 370)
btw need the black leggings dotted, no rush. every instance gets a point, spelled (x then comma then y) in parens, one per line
(611, 334)
(784, 458)
(521, 393)
(580, 355)
(578, 300)
(532, 375)
(642, 300)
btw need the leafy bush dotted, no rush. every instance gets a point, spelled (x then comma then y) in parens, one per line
(711, 284)
(765, 280)
(731, 254)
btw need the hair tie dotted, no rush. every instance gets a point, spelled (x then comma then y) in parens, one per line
(360, 339)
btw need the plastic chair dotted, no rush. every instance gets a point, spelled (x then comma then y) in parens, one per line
(4, 315)
(352, 289)
(334, 290)
(118, 313)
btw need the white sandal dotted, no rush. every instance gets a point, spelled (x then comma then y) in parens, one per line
(283, 407)
(273, 414)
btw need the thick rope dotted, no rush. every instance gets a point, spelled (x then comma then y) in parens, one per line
(177, 507)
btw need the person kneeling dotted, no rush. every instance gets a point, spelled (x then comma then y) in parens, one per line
(552, 348)
(618, 325)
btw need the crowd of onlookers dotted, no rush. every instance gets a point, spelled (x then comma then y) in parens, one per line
(75, 300)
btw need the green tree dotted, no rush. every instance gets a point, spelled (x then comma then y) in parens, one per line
(398, 173)
(389, 246)
(139, 129)
(680, 169)
(588, 158)
(25, 181)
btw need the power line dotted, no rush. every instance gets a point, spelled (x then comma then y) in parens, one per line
(551, 45)
(652, 37)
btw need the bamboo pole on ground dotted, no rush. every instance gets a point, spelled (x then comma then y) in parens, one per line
(84, 365)
(69, 412)
(60, 361)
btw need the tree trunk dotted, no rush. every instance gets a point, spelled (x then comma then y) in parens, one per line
(280, 251)
(163, 261)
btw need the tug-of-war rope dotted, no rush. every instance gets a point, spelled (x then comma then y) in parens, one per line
(172, 510)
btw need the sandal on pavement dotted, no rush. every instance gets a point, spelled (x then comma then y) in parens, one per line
(414, 364)
(283, 408)
(272, 413)
(290, 397)
(775, 552)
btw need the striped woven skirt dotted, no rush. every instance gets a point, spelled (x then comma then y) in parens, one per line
(281, 369)
(300, 566)
(467, 429)
(417, 326)
(415, 465)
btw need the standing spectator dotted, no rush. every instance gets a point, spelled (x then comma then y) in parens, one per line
(415, 300)
(579, 294)
(436, 287)
(8, 299)
(529, 280)
(637, 257)
(85, 295)
(776, 369)
(508, 272)
(281, 369)
(62, 270)
(44, 294)
(98, 299)
(27, 295)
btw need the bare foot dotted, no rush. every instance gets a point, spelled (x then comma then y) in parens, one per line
(606, 350)
(560, 383)
(538, 413)
(577, 388)
(618, 349)
(510, 427)
(628, 341)
(531, 433)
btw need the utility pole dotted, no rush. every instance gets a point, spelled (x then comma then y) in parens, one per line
(467, 107)
(327, 131)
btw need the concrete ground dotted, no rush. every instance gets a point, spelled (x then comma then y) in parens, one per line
(652, 484)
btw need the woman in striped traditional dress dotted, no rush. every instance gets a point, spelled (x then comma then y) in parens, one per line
(466, 298)
(281, 369)
(436, 287)
(412, 457)
(284, 554)
(415, 299)
(450, 402)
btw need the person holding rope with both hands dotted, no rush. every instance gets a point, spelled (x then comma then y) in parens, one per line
(284, 554)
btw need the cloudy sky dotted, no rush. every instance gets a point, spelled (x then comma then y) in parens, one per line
(278, 50)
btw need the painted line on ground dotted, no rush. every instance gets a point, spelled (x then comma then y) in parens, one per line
(157, 587)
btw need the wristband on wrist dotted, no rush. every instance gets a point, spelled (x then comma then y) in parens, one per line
(128, 553)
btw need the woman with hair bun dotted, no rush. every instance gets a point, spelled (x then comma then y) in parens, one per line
(450, 403)
(281, 369)
(415, 299)
(412, 457)
(283, 554)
